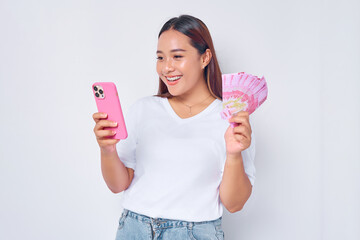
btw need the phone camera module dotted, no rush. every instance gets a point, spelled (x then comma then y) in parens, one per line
(99, 92)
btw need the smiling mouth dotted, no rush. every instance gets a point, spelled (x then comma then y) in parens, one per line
(173, 79)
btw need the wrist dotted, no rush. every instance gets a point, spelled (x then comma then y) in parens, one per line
(234, 157)
(108, 149)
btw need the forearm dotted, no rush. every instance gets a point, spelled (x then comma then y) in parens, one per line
(235, 187)
(114, 171)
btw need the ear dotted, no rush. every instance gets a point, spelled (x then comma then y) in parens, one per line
(206, 58)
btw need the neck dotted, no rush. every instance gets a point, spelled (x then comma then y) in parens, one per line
(200, 99)
(199, 94)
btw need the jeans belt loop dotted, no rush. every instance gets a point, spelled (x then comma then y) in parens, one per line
(190, 225)
(126, 212)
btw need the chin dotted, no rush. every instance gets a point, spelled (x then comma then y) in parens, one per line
(174, 94)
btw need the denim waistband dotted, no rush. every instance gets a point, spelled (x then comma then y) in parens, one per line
(164, 223)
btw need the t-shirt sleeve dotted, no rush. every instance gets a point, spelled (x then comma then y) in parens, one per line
(248, 159)
(126, 148)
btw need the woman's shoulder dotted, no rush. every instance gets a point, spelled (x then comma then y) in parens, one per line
(147, 101)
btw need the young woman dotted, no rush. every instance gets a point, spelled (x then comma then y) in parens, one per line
(181, 162)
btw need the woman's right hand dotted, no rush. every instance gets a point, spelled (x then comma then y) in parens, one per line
(105, 143)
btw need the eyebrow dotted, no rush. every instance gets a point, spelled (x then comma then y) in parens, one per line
(173, 50)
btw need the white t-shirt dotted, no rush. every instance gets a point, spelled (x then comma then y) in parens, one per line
(178, 162)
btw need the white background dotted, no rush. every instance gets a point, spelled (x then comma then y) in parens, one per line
(307, 132)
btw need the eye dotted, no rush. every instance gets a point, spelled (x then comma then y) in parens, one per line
(178, 56)
(159, 58)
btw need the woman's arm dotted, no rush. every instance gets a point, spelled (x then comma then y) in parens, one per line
(116, 175)
(235, 188)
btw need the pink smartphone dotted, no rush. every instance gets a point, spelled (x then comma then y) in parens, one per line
(107, 101)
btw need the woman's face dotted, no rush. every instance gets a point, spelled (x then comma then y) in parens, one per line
(179, 64)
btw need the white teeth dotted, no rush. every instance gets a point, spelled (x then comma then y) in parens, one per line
(173, 78)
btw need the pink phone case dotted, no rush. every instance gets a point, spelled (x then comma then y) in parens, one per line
(107, 101)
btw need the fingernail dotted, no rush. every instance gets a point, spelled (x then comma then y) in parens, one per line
(113, 132)
(114, 123)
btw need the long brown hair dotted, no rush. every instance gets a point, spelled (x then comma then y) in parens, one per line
(200, 37)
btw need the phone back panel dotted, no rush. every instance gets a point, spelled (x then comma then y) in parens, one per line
(109, 103)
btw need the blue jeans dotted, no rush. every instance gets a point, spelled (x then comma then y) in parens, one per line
(138, 227)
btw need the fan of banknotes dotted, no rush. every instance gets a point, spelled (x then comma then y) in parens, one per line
(242, 92)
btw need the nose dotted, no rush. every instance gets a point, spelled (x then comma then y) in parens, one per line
(168, 67)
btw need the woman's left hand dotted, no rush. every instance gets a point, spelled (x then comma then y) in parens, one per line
(238, 138)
